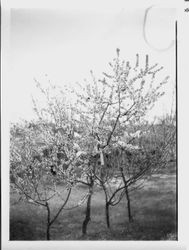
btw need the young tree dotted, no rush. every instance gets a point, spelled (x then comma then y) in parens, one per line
(60, 113)
(105, 107)
(38, 163)
(63, 114)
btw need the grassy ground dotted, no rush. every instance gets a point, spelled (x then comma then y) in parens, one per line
(153, 207)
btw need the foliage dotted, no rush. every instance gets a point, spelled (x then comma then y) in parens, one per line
(40, 159)
(92, 141)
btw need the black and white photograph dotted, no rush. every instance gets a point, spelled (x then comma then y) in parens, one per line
(91, 96)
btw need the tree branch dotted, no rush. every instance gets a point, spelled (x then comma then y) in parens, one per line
(63, 205)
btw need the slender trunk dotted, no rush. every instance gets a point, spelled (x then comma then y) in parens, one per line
(48, 222)
(128, 204)
(51, 221)
(107, 205)
(88, 209)
(107, 215)
(48, 232)
(127, 196)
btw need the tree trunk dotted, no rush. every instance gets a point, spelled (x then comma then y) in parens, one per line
(51, 221)
(106, 206)
(88, 209)
(48, 222)
(107, 215)
(127, 196)
(48, 232)
(128, 204)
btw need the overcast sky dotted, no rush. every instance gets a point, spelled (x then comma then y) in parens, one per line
(63, 45)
